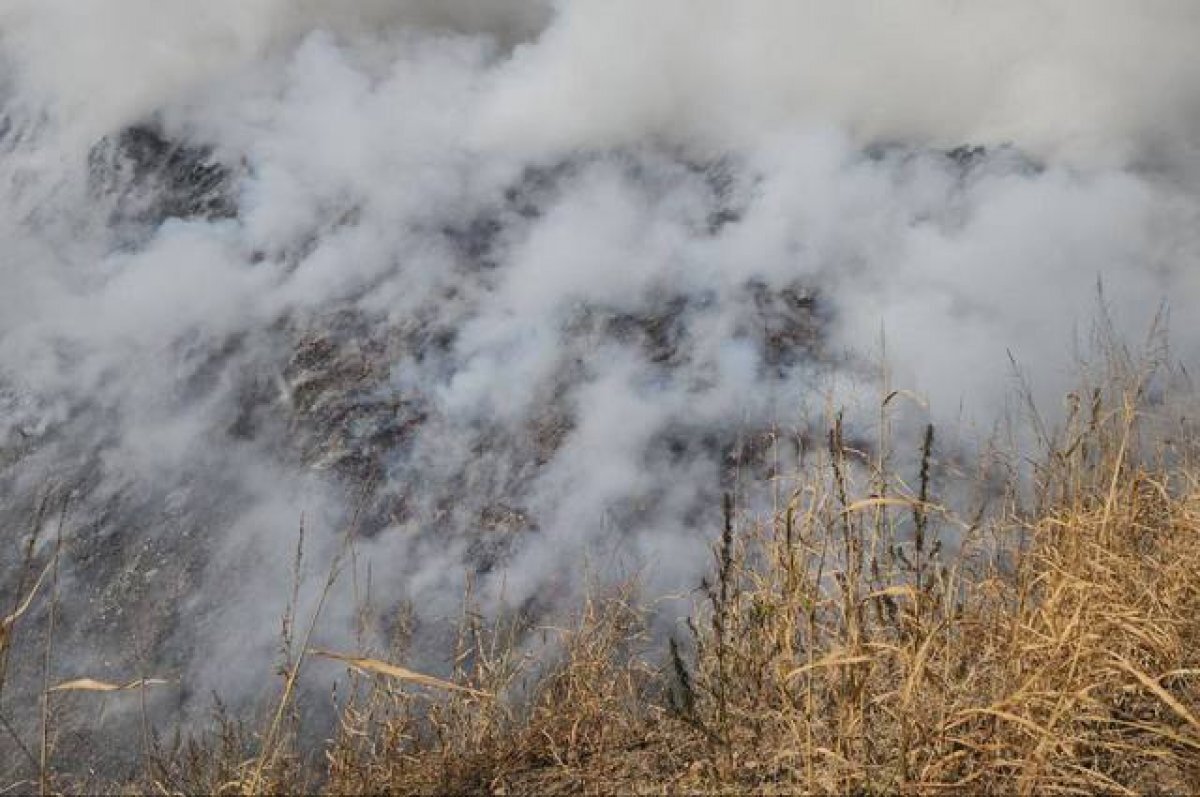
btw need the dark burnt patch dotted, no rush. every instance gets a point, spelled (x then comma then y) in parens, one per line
(789, 323)
(151, 178)
(660, 334)
(536, 188)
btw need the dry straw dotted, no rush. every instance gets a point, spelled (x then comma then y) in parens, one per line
(1040, 636)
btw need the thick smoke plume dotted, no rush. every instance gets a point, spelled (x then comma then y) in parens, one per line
(514, 289)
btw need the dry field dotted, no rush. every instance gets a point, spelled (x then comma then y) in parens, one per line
(867, 639)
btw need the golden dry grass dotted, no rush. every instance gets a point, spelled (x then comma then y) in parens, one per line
(864, 640)
(841, 649)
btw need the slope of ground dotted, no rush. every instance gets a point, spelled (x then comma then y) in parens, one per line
(867, 639)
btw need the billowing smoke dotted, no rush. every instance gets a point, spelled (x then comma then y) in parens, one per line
(516, 290)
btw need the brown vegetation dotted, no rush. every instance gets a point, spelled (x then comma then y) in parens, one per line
(866, 639)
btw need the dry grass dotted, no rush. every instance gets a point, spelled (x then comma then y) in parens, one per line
(867, 639)
(840, 649)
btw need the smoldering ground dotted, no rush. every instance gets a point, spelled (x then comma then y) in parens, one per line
(518, 290)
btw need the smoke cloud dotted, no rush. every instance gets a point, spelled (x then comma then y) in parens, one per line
(516, 289)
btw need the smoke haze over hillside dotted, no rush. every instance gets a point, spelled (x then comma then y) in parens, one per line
(524, 286)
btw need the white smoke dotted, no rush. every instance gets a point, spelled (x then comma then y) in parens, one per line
(105, 63)
(1075, 79)
(538, 280)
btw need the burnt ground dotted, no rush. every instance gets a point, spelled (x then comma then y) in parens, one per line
(317, 395)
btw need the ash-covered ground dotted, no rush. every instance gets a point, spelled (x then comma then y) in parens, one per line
(516, 295)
